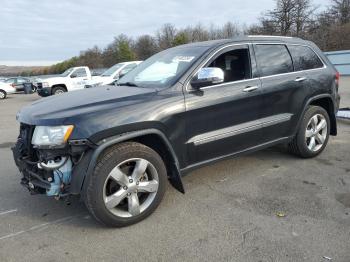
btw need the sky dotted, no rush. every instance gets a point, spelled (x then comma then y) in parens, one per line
(43, 32)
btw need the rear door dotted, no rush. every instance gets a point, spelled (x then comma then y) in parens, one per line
(281, 90)
(223, 119)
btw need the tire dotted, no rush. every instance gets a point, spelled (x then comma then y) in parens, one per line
(113, 197)
(302, 144)
(3, 94)
(58, 90)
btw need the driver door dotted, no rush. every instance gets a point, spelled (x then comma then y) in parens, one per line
(79, 78)
(223, 119)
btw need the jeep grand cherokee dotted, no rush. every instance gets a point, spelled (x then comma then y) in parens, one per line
(183, 108)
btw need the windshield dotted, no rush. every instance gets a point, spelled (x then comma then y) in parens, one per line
(163, 69)
(67, 72)
(111, 70)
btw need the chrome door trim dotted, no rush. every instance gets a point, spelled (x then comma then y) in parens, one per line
(250, 88)
(239, 129)
(256, 78)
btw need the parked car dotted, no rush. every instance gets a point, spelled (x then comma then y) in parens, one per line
(72, 79)
(17, 82)
(6, 89)
(113, 74)
(183, 108)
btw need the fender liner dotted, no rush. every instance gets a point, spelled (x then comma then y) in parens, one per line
(332, 114)
(174, 173)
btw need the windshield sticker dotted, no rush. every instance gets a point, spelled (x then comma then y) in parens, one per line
(177, 59)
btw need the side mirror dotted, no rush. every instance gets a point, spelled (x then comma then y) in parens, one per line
(207, 76)
(73, 75)
(122, 73)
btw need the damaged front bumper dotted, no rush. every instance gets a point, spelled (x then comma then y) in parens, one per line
(55, 172)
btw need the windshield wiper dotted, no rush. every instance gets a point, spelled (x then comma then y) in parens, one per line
(127, 84)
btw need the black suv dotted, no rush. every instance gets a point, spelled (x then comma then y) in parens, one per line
(183, 108)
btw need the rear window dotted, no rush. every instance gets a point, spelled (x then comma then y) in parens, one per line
(304, 58)
(273, 59)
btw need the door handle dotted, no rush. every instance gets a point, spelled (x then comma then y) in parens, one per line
(300, 79)
(250, 88)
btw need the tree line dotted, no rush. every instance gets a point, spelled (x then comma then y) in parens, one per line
(329, 29)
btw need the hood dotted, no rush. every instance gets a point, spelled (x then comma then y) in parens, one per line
(101, 80)
(62, 109)
(53, 80)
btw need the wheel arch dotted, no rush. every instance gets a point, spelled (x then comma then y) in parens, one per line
(325, 101)
(60, 85)
(152, 138)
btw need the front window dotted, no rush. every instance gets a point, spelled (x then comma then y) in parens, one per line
(67, 72)
(80, 72)
(163, 69)
(113, 69)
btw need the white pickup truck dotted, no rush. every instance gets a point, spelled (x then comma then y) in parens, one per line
(74, 78)
(113, 73)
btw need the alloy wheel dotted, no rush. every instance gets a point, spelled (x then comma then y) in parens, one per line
(316, 132)
(130, 187)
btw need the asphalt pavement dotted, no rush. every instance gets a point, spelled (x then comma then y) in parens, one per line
(266, 206)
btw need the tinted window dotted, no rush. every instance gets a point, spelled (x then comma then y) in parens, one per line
(81, 72)
(234, 63)
(273, 59)
(21, 80)
(304, 58)
(11, 80)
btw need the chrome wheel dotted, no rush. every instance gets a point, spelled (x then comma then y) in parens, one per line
(59, 92)
(316, 132)
(2, 95)
(130, 187)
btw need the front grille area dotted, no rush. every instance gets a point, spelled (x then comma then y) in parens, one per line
(26, 160)
(25, 139)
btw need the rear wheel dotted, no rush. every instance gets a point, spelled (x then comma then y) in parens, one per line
(127, 185)
(58, 90)
(313, 134)
(3, 94)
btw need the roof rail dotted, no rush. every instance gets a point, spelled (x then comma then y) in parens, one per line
(277, 36)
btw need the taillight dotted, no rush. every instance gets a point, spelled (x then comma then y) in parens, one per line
(13, 85)
(337, 77)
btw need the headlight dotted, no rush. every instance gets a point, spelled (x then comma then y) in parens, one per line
(45, 84)
(51, 135)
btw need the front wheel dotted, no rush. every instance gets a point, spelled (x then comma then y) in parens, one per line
(127, 185)
(2, 94)
(58, 90)
(313, 134)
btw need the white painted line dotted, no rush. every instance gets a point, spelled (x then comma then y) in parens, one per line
(37, 227)
(8, 211)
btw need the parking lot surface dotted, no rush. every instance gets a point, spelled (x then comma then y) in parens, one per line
(229, 212)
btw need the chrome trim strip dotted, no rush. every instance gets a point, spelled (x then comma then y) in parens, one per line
(250, 88)
(239, 129)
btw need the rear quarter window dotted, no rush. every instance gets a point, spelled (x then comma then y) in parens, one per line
(273, 59)
(304, 58)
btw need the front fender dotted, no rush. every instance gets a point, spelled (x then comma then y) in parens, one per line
(81, 175)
